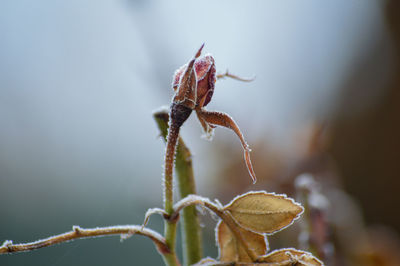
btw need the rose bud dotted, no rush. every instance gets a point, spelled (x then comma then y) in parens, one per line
(205, 78)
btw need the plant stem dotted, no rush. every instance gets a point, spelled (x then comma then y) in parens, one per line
(170, 225)
(173, 135)
(78, 232)
(191, 231)
(170, 258)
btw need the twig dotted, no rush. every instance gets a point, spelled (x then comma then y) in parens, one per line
(229, 75)
(78, 232)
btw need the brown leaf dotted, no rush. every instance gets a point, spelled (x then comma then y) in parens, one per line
(264, 212)
(206, 262)
(230, 249)
(291, 256)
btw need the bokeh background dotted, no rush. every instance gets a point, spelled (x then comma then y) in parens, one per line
(79, 81)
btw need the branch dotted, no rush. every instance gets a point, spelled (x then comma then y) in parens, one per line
(78, 232)
(229, 75)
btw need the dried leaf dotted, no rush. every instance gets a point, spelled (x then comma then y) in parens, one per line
(206, 262)
(291, 256)
(264, 212)
(230, 249)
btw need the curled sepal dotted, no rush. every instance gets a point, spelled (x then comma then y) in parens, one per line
(264, 212)
(224, 120)
(207, 128)
(290, 256)
(231, 249)
(186, 92)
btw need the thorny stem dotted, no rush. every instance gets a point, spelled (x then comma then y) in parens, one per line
(191, 231)
(170, 225)
(179, 114)
(172, 139)
(78, 232)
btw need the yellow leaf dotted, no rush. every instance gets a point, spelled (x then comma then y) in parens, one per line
(291, 256)
(231, 249)
(264, 212)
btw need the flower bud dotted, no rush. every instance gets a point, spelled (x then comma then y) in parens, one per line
(205, 78)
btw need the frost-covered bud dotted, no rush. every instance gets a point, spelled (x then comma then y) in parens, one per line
(205, 76)
(205, 72)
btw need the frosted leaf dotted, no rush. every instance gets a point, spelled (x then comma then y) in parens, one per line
(231, 249)
(264, 212)
(291, 256)
(206, 262)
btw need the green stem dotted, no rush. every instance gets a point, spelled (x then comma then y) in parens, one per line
(170, 258)
(191, 231)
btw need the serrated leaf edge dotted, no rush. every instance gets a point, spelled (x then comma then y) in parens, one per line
(265, 193)
(296, 250)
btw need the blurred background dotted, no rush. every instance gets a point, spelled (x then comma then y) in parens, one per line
(78, 146)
